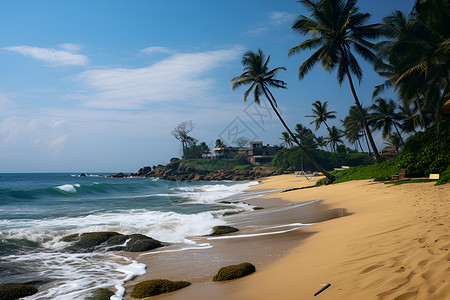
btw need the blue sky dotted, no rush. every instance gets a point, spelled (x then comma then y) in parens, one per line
(91, 86)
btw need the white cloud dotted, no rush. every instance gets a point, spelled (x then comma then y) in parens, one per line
(53, 56)
(151, 50)
(180, 77)
(281, 18)
(71, 47)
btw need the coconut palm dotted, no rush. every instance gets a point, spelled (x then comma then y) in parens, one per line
(384, 117)
(334, 137)
(305, 136)
(286, 139)
(258, 75)
(353, 125)
(336, 27)
(320, 141)
(394, 142)
(321, 114)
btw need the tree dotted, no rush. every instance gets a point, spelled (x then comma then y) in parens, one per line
(220, 144)
(334, 137)
(337, 27)
(259, 77)
(321, 114)
(384, 117)
(241, 141)
(286, 139)
(181, 133)
(394, 141)
(305, 136)
(320, 141)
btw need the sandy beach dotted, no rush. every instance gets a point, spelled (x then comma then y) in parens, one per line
(370, 240)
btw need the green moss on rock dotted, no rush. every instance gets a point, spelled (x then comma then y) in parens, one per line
(101, 294)
(139, 243)
(111, 241)
(234, 271)
(16, 291)
(219, 230)
(156, 286)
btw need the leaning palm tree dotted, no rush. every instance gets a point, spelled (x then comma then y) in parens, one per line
(286, 139)
(385, 117)
(334, 137)
(336, 27)
(321, 114)
(258, 75)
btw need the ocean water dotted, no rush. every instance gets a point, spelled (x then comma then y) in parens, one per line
(37, 210)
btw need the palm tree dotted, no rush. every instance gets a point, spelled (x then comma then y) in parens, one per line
(385, 117)
(259, 77)
(320, 141)
(354, 126)
(336, 27)
(394, 141)
(334, 137)
(321, 114)
(305, 136)
(286, 139)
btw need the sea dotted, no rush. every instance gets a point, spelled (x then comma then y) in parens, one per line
(37, 210)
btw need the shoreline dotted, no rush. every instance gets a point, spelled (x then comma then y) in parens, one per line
(393, 243)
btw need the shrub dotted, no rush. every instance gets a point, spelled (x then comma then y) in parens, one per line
(219, 230)
(156, 286)
(243, 167)
(444, 177)
(16, 291)
(234, 271)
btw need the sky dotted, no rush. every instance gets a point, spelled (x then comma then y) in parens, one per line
(98, 86)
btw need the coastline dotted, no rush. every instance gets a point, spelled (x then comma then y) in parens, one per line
(393, 244)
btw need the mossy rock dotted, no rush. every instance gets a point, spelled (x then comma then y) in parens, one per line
(139, 243)
(234, 271)
(156, 286)
(111, 241)
(16, 291)
(219, 230)
(258, 208)
(101, 294)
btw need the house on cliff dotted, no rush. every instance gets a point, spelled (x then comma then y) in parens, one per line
(257, 154)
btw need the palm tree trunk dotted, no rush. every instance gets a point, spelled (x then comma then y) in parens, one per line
(314, 162)
(359, 142)
(399, 135)
(367, 142)
(363, 118)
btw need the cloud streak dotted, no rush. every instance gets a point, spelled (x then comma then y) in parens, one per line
(52, 56)
(181, 77)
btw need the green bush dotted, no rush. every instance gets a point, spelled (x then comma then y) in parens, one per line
(426, 153)
(444, 177)
(234, 271)
(243, 167)
(16, 291)
(156, 286)
(211, 164)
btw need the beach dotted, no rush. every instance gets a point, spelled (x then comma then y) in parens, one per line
(370, 240)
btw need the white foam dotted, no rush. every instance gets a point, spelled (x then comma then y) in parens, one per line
(70, 188)
(262, 233)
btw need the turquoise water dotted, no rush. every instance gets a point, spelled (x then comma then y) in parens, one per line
(36, 210)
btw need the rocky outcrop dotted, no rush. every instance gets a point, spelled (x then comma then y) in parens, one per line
(110, 241)
(180, 170)
(220, 230)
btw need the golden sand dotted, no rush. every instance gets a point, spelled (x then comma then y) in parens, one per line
(394, 244)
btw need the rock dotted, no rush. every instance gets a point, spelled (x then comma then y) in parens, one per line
(219, 230)
(234, 271)
(118, 175)
(100, 294)
(83, 175)
(110, 241)
(155, 287)
(16, 291)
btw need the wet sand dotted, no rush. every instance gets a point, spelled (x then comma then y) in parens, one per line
(392, 243)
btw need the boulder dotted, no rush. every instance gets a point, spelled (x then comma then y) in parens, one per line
(219, 230)
(16, 291)
(100, 294)
(155, 287)
(110, 241)
(234, 271)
